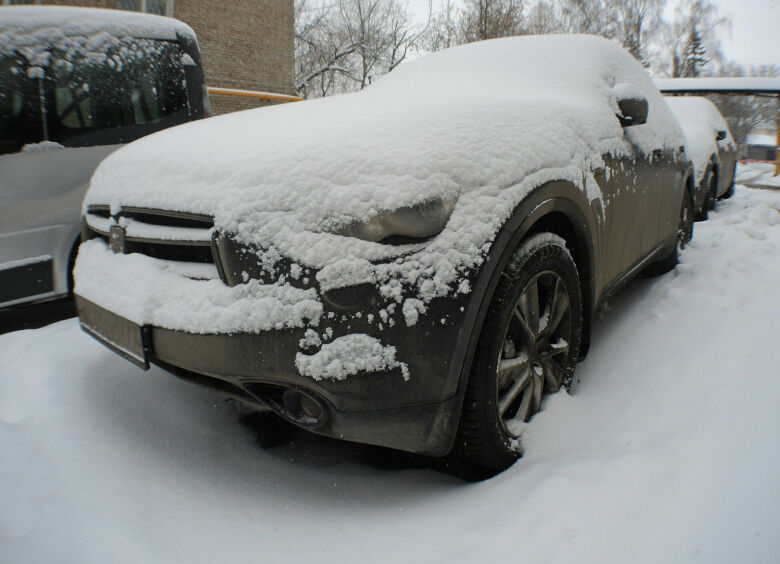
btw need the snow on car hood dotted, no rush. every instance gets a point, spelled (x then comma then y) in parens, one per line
(483, 123)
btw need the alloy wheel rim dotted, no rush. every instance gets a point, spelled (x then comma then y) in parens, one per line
(535, 350)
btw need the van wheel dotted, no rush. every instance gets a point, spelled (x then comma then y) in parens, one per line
(528, 347)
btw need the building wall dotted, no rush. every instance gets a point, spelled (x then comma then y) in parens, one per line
(246, 44)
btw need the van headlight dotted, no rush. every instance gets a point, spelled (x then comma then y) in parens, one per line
(405, 225)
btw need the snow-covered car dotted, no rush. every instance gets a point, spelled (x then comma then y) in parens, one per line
(710, 146)
(76, 83)
(414, 265)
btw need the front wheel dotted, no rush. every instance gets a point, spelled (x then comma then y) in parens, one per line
(527, 348)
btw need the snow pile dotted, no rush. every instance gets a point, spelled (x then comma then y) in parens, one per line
(701, 121)
(757, 174)
(174, 301)
(482, 124)
(347, 356)
(667, 450)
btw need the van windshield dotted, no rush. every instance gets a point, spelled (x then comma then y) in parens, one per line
(90, 91)
(126, 83)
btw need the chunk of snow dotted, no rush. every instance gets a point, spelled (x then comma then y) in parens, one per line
(347, 356)
(412, 310)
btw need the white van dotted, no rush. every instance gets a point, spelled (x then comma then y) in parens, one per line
(75, 84)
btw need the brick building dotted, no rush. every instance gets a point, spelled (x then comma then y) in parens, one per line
(246, 44)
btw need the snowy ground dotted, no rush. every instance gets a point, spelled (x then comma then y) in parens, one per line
(666, 451)
(757, 174)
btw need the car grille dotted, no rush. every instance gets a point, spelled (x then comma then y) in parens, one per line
(161, 234)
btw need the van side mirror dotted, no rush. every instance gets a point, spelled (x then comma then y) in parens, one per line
(633, 111)
(721, 135)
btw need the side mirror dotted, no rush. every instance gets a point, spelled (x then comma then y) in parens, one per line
(721, 135)
(633, 111)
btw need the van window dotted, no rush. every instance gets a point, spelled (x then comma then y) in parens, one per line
(125, 84)
(20, 121)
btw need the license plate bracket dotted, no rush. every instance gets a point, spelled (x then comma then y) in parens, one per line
(124, 337)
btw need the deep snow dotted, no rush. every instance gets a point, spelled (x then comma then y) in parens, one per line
(666, 451)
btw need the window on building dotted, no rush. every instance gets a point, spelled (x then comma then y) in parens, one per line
(160, 7)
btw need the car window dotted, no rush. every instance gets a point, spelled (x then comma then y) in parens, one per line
(129, 83)
(19, 106)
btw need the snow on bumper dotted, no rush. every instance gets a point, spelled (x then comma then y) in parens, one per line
(148, 291)
(365, 390)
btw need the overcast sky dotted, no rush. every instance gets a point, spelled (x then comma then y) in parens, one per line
(755, 28)
(755, 31)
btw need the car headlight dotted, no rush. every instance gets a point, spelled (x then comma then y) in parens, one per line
(406, 224)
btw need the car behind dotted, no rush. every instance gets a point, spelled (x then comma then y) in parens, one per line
(710, 146)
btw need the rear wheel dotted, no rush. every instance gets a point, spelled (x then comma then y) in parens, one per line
(528, 347)
(710, 181)
(684, 236)
(729, 193)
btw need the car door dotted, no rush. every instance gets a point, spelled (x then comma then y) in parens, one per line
(630, 227)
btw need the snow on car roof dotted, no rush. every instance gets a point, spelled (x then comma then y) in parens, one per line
(725, 84)
(763, 139)
(481, 124)
(56, 21)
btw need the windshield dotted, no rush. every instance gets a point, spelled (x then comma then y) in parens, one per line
(90, 91)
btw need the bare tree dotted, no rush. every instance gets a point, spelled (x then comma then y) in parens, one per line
(444, 29)
(543, 17)
(343, 46)
(744, 113)
(636, 18)
(596, 17)
(488, 19)
(692, 39)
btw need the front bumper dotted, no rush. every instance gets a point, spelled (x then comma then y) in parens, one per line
(418, 414)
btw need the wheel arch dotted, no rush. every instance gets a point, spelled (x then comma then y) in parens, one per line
(559, 207)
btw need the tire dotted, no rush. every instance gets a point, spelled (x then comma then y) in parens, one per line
(730, 192)
(710, 180)
(519, 357)
(684, 236)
